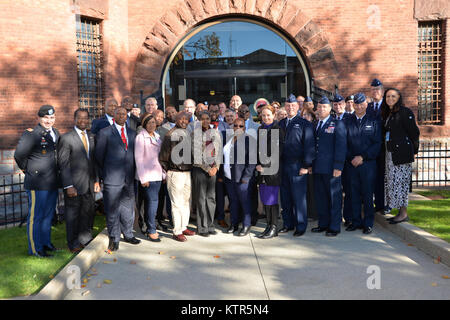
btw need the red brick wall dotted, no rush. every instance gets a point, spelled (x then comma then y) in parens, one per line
(38, 52)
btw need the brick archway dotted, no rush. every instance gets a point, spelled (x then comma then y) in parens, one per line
(187, 14)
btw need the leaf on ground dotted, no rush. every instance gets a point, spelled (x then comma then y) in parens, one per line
(108, 251)
(107, 281)
(94, 270)
(410, 245)
(99, 285)
(51, 276)
(173, 257)
(148, 277)
(437, 260)
(83, 286)
(434, 284)
(132, 262)
(85, 280)
(445, 277)
(106, 261)
(161, 252)
(216, 257)
(115, 259)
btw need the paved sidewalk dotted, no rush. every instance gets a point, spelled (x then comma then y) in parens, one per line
(228, 267)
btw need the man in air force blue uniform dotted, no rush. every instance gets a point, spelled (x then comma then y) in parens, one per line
(36, 156)
(364, 142)
(331, 146)
(296, 159)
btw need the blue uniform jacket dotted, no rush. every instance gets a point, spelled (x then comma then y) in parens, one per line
(372, 113)
(365, 140)
(298, 144)
(331, 147)
(116, 165)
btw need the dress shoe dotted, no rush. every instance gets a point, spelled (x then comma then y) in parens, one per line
(212, 232)
(132, 240)
(179, 237)
(352, 227)
(232, 229)
(75, 250)
(347, 223)
(393, 221)
(188, 232)
(299, 233)
(319, 229)
(152, 239)
(42, 254)
(113, 246)
(285, 230)
(367, 230)
(262, 234)
(50, 247)
(244, 231)
(331, 233)
(223, 224)
(271, 233)
(161, 226)
(204, 234)
(254, 222)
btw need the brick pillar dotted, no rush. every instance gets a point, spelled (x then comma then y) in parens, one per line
(446, 74)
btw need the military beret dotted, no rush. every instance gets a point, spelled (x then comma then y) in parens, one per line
(360, 98)
(291, 98)
(324, 100)
(376, 83)
(308, 99)
(46, 110)
(338, 98)
(352, 97)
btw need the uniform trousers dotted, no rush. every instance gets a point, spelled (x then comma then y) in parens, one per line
(119, 207)
(41, 205)
(362, 182)
(293, 197)
(179, 188)
(220, 200)
(347, 188)
(328, 195)
(79, 215)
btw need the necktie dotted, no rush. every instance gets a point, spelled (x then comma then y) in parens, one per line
(83, 139)
(319, 126)
(359, 122)
(124, 139)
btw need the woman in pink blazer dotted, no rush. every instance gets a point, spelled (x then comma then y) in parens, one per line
(149, 172)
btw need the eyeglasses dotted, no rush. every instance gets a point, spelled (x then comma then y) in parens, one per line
(239, 126)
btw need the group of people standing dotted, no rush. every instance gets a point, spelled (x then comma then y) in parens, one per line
(307, 156)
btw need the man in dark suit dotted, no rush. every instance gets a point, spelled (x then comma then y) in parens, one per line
(108, 119)
(363, 146)
(339, 108)
(331, 147)
(80, 181)
(132, 121)
(374, 111)
(35, 155)
(296, 160)
(114, 154)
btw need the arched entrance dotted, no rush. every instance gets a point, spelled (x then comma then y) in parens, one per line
(232, 56)
(170, 32)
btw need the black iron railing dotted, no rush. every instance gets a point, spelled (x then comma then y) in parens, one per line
(432, 165)
(13, 200)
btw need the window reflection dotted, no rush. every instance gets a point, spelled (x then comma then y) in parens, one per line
(234, 57)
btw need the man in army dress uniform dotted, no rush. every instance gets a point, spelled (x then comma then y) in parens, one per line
(36, 157)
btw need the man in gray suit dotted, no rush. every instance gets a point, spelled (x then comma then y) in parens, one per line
(80, 181)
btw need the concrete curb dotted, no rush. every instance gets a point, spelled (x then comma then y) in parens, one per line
(57, 289)
(424, 241)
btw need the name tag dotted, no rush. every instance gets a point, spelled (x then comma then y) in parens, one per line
(387, 136)
(368, 128)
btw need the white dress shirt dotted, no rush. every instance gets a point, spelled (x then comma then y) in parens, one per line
(110, 119)
(81, 137)
(119, 128)
(323, 122)
(226, 159)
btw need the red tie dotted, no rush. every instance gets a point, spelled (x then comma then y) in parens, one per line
(124, 139)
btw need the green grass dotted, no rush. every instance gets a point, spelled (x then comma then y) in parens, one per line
(432, 216)
(21, 274)
(444, 193)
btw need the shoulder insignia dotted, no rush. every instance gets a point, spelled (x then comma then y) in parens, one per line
(30, 130)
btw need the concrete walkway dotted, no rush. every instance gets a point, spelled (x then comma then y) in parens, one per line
(228, 267)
